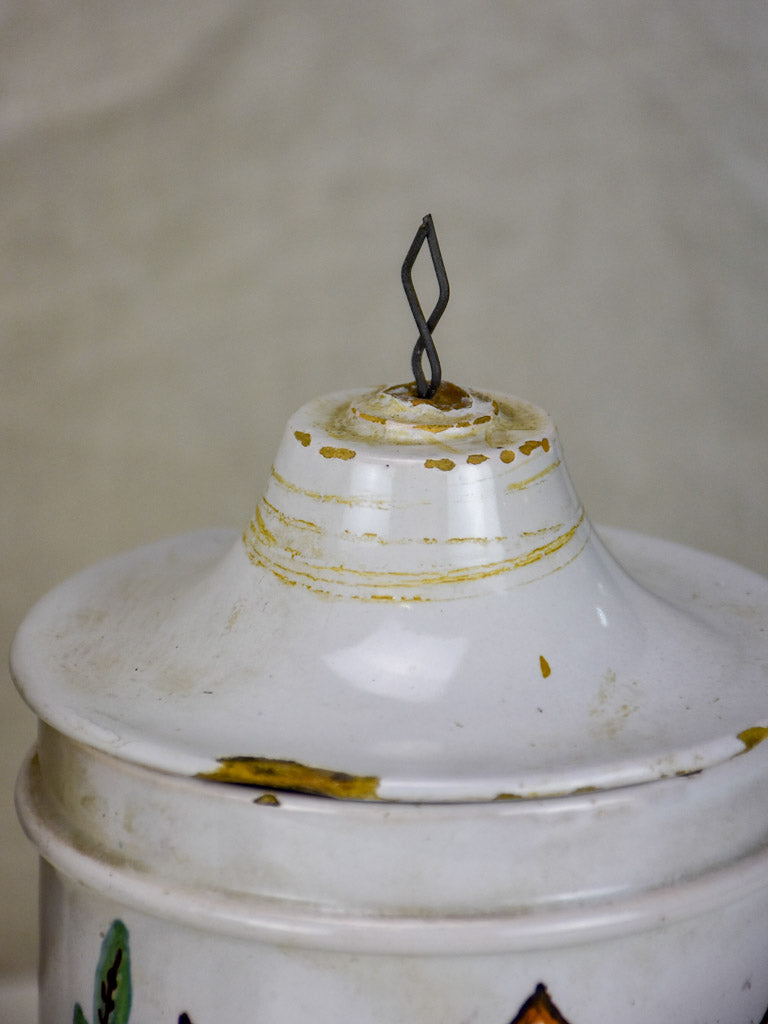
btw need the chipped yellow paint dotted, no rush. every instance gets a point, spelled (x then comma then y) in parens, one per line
(522, 484)
(751, 737)
(272, 773)
(542, 529)
(291, 521)
(335, 575)
(431, 428)
(261, 528)
(475, 540)
(546, 671)
(556, 795)
(444, 464)
(508, 416)
(431, 417)
(269, 799)
(352, 501)
(475, 460)
(507, 455)
(329, 452)
(531, 446)
(367, 416)
(302, 437)
(447, 398)
(438, 428)
(285, 579)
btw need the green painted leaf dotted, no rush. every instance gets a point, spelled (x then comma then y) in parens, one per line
(79, 1016)
(112, 985)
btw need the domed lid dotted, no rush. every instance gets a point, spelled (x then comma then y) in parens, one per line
(419, 610)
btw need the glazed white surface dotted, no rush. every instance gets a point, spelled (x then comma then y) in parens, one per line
(435, 615)
(612, 899)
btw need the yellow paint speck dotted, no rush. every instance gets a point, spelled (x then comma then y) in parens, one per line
(531, 446)
(751, 737)
(544, 666)
(302, 437)
(475, 460)
(337, 453)
(233, 617)
(444, 464)
(507, 456)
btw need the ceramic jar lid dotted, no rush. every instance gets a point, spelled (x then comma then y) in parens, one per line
(418, 611)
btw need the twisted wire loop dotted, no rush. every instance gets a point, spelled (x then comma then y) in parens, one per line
(425, 388)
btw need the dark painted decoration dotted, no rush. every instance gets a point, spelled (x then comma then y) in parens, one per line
(539, 1009)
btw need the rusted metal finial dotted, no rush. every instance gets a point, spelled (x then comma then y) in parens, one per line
(425, 388)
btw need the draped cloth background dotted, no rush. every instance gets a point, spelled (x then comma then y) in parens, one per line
(203, 212)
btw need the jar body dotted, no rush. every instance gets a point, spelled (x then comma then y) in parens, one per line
(710, 968)
(228, 903)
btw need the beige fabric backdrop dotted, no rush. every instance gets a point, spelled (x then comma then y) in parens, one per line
(203, 211)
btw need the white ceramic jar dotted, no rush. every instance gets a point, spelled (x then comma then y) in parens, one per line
(421, 746)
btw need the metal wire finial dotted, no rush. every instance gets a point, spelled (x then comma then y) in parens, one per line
(425, 388)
